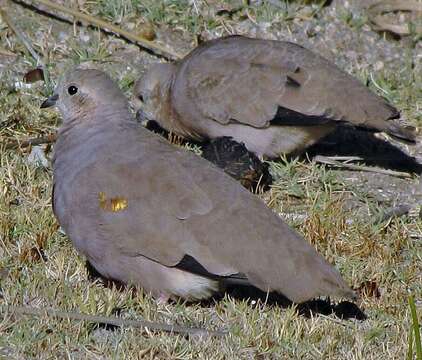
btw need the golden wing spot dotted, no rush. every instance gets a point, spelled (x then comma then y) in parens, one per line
(114, 204)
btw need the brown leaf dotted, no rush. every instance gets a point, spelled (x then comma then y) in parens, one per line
(33, 75)
(147, 32)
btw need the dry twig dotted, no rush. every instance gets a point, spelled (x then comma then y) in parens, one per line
(393, 212)
(27, 43)
(105, 26)
(22, 37)
(5, 52)
(14, 144)
(329, 161)
(376, 11)
(110, 320)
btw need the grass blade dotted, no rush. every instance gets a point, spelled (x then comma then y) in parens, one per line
(416, 330)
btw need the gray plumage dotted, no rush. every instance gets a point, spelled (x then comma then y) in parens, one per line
(145, 212)
(274, 96)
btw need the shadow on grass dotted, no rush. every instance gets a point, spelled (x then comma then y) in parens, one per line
(235, 160)
(343, 310)
(376, 152)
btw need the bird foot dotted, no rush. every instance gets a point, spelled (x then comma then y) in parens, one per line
(163, 299)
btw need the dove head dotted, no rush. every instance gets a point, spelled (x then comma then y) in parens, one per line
(152, 90)
(81, 93)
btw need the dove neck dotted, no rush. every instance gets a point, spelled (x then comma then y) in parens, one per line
(84, 138)
(162, 104)
(81, 126)
(169, 117)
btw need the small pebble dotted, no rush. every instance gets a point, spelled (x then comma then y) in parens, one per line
(37, 157)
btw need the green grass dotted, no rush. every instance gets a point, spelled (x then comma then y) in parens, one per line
(40, 268)
(415, 335)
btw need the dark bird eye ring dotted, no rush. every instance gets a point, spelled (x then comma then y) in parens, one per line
(72, 90)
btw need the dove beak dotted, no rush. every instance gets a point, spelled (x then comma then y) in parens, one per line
(51, 101)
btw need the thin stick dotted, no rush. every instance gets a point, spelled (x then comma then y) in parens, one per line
(110, 320)
(22, 37)
(26, 42)
(383, 25)
(277, 3)
(329, 161)
(47, 139)
(376, 11)
(384, 6)
(5, 52)
(393, 212)
(337, 321)
(168, 54)
(347, 158)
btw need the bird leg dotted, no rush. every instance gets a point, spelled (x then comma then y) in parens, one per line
(163, 299)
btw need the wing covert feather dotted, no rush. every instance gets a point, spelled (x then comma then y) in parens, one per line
(226, 229)
(245, 80)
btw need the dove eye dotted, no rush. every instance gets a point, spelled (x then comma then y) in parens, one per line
(72, 90)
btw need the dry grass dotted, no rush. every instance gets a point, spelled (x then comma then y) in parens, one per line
(39, 267)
